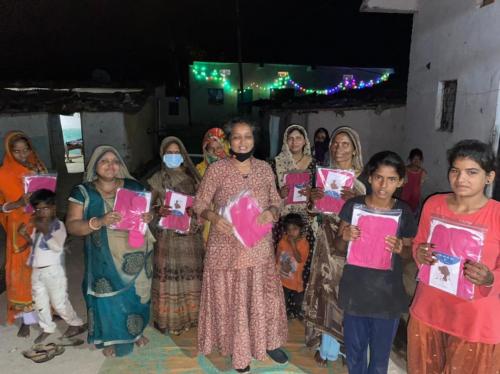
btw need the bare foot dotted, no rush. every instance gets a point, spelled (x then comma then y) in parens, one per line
(24, 331)
(142, 341)
(319, 361)
(109, 351)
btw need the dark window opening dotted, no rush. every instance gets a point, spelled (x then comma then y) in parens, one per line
(449, 98)
(173, 108)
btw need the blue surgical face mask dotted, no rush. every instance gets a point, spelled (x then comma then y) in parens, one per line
(172, 160)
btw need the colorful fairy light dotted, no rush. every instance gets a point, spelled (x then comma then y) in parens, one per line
(283, 81)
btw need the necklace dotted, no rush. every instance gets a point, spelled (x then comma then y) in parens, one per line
(298, 162)
(110, 192)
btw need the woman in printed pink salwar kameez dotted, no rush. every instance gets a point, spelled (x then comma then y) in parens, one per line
(242, 311)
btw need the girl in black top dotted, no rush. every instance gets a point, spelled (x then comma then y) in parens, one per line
(373, 299)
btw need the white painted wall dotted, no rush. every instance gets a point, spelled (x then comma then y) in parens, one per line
(104, 128)
(389, 6)
(377, 132)
(141, 136)
(35, 125)
(460, 41)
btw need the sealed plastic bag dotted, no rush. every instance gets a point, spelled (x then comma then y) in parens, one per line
(35, 182)
(242, 211)
(332, 181)
(454, 243)
(296, 182)
(178, 220)
(375, 225)
(131, 205)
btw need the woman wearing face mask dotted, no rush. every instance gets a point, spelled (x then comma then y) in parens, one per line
(214, 146)
(242, 310)
(178, 258)
(20, 159)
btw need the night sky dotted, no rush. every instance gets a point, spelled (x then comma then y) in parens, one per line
(150, 40)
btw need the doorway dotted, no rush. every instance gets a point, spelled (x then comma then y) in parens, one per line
(73, 142)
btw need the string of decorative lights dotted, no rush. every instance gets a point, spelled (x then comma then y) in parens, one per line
(284, 81)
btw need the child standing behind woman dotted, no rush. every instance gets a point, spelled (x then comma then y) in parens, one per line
(293, 250)
(373, 299)
(415, 177)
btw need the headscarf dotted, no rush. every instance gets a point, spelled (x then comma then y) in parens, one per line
(284, 160)
(90, 172)
(357, 160)
(10, 163)
(321, 149)
(214, 134)
(187, 164)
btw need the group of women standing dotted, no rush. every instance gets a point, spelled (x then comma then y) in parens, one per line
(206, 277)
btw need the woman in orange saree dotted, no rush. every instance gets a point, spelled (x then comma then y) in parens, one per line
(19, 159)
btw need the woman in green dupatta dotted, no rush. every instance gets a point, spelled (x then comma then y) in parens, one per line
(117, 278)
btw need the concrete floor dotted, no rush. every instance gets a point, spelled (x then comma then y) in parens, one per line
(85, 359)
(76, 360)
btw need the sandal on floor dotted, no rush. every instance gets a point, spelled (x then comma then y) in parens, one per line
(52, 348)
(38, 356)
(43, 352)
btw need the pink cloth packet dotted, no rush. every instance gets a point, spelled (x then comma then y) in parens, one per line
(332, 181)
(243, 211)
(131, 205)
(369, 249)
(179, 220)
(35, 182)
(454, 243)
(295, 183)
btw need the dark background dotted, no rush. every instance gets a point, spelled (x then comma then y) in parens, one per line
(153, 40)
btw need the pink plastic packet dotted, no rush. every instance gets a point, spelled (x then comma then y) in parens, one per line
(179, 220)
(131, 205)
(35, 182)
(332, 181)
(455, 242)
(375, 225)
(242, 211)
(296, 182)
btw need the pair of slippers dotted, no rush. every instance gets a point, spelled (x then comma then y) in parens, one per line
(40, 353)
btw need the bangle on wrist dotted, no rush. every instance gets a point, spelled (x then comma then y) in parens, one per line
(91, 224)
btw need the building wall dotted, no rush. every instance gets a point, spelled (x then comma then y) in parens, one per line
(104, 128)
(259, 77)
(452, 39)
(141, 136)
(377, 131)
(35, 125)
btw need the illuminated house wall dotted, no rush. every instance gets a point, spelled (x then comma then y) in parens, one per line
(214, 85)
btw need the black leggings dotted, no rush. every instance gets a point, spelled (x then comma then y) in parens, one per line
(293, 301)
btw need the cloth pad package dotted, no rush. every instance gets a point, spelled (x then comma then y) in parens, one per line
(35, 182)
(332, 181)
(131, 205)
(242, 211)
(178, 220)
(454, 242)
(296, 182)
(375, 225)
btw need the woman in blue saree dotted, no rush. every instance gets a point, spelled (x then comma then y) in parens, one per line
(117, 278)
